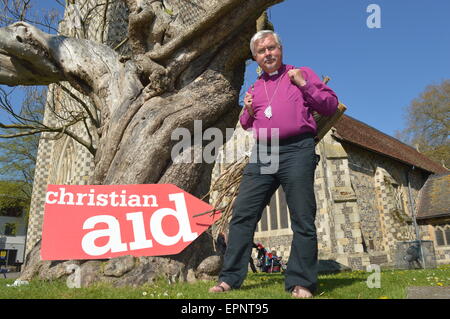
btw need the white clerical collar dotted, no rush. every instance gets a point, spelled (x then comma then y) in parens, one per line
(273, 73)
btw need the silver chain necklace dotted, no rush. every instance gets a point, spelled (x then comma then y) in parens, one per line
(268, 110)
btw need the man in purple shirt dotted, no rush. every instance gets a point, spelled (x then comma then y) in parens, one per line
(278, 108)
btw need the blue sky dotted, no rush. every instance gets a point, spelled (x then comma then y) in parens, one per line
(375, 72)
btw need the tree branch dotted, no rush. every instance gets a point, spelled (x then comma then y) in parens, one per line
(26, 130)
(29, 56)
(33, 129)
(247, 9)
(85, 107)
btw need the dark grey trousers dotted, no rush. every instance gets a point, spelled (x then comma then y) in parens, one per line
(295, 173)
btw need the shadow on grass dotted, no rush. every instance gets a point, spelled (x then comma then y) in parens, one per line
(326, 283)
(263, 280)
(329, 284)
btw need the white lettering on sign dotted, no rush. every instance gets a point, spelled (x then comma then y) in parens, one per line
(93, 199)
(114, 243)
(180, 214)
(141, 241)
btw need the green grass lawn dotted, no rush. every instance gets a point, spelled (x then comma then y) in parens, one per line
(348, 285)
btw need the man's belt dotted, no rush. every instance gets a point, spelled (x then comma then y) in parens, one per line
(288, 140)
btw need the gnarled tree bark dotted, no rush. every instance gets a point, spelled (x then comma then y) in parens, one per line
(175, 75)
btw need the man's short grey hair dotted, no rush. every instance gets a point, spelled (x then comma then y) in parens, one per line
(260, 35)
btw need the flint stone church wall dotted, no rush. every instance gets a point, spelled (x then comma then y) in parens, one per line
(363, 206)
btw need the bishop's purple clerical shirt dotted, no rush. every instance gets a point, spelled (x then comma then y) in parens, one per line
(291, 105)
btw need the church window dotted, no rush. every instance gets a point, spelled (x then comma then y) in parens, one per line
(442, 235)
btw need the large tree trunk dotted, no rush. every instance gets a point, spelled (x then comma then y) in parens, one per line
(178, 72)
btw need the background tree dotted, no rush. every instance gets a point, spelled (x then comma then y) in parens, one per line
(24, 10)
(12, 200)
(27, 118)
(22, 107)
(18, 153)
(428, 123)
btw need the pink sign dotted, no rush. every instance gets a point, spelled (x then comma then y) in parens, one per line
(105, 221)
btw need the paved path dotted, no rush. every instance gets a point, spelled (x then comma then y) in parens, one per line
(428, 293)
(10, 275)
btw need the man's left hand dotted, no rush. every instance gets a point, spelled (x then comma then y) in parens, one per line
(296, 77)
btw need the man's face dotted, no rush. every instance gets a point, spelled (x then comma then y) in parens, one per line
(268, 54)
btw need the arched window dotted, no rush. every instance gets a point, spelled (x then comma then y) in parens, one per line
(64, 170)
(442, 235)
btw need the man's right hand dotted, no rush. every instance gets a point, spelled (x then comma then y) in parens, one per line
(248, 99)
